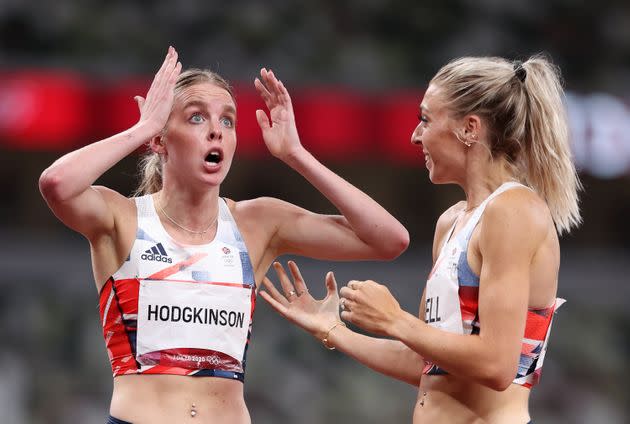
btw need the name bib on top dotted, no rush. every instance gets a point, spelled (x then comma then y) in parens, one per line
(187, 319)
(442, 293)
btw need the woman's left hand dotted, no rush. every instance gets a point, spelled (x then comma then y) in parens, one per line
(369, 305)
(281, 136)
(296, 304)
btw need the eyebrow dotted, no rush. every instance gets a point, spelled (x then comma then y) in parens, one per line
(423, 107)
(203, 105)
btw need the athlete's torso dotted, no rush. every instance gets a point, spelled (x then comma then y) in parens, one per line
(451, 301)
(180, 309)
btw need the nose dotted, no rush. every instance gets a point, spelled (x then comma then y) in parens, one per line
(215, 132)
(416, 135)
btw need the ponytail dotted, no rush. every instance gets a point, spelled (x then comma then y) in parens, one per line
(527, 124)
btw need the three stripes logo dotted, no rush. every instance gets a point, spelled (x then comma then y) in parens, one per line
(157, 254)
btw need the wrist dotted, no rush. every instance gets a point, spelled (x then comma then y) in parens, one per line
(327, 335)
(399, 326)
(143, 131)
(296, 157)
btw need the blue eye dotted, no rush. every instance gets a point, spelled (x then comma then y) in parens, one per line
(422, 118)
(227, 122)
(196, 118)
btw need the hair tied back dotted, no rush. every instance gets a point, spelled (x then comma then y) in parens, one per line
(520, 71)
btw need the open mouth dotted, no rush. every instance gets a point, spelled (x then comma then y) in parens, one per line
(214, 157)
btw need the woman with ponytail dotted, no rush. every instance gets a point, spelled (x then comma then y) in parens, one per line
(498, 130)
(177, 267)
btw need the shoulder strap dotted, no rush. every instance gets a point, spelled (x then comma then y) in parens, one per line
(230, 231)
(474, 220)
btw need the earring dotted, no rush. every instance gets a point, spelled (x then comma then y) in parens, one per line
(469, 143)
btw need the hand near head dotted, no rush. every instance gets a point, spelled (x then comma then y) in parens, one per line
(370, 306)
(281, 136)
(297, 305)
(156, 107)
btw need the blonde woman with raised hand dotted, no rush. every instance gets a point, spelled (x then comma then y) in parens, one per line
(177, 267)
(498, 130)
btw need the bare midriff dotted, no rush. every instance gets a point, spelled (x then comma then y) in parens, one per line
(165, 399)
(448, 399)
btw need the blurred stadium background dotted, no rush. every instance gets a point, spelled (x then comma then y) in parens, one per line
(357, 70)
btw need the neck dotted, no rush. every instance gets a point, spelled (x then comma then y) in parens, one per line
(482, 178)
(193, 211)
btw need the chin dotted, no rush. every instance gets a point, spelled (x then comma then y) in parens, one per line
(439, 179)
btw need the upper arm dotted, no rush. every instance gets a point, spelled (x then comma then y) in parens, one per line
(295, 230)
(90, 213)
(512, 229)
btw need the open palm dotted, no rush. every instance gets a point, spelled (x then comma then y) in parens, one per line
(280, 135)
(298, 306)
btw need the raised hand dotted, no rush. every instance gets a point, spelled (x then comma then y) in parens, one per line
(156, 108)
(369, 305)
(281, 136)
(297, 305)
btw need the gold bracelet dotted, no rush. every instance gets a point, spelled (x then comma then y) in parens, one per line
(325, 339)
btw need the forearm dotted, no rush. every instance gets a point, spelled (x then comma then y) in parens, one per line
(370, 221)
(389, 357)
(465, 356)
(74, 172)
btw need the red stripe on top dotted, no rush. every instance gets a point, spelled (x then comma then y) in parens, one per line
(117, 341)
(174, 269)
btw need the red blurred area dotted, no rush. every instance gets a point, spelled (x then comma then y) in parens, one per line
(398, 113)
(59, 111)
(43, 111)
(335, 123)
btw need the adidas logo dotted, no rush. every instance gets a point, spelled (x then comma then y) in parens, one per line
(156, 253)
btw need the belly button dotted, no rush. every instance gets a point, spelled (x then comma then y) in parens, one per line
(421, 401)
(193, 411)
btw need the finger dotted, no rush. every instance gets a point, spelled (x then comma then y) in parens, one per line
(157, 78)
(270, 83)
(263, 121)
(347, 293)
(264, 80)
(331, 284)
(140, 101)
(280, 308)
(273, 291)
(347, 316)
(262, 91)
(166, 77)
(275, 85)
(350, 305)
(175, 73)
(165, 61)
(298, 281)
(165, 64)
(284, 94)
(285, 282)
(354, 284)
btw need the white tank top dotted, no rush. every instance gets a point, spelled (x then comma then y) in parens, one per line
(452, 293)
(175, 308)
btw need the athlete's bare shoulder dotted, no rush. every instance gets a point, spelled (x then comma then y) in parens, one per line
(521, 205)
(518, 205)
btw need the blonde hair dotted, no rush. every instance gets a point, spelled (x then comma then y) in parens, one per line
(150, 164)
(521, 102)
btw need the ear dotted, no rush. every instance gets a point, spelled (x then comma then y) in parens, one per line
(157, 145)
(472, 128)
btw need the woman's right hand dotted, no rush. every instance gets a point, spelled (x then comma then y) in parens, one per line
(156, 107)
(298, 306)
